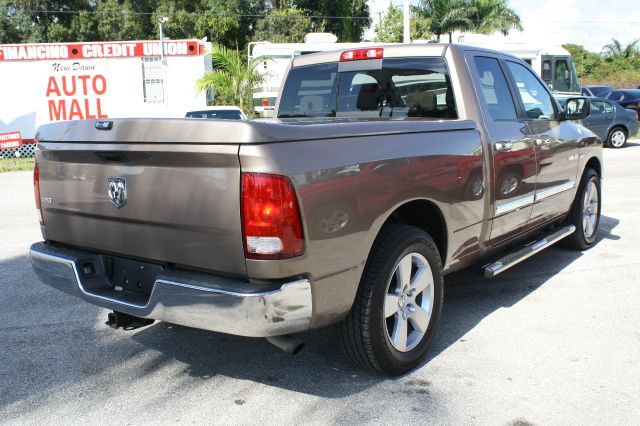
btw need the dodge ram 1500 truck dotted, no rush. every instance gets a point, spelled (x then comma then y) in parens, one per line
(385, 169)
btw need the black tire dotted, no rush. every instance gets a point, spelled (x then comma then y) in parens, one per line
(364, 332)
(616, 131)
(581, 240)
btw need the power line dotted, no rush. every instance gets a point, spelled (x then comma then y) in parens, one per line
(301, 16)
(215, 15)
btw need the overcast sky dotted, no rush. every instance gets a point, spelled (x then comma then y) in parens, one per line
(591, 23)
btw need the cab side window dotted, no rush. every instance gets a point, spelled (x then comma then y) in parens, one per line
(534, 96)
(495, 89)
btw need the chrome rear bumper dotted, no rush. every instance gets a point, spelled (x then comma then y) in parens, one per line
(204, 301)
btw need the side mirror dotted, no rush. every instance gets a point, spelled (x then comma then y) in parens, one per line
(577, 109)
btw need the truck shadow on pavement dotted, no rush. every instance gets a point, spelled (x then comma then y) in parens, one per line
(322, 368)
(54, 341)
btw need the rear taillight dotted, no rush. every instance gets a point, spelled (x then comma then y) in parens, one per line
(36, 191)
(271, 224)
(360, 54)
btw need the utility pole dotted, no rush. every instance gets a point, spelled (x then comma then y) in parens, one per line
(407, 28)
(163, 20)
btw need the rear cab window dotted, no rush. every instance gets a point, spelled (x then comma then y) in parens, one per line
(403, 87)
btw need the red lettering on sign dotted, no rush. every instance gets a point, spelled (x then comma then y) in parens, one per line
(74, 111)
(52, 87)
(99, 108)
(10, 140)
(78, 100)
(72, 91)
(57, 110)
(84, 79)
(103, 84)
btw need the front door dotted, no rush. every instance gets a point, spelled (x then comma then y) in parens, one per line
(513, 171)
(556, 145)
(601, 115)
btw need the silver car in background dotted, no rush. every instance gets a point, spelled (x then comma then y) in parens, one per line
(612, 123)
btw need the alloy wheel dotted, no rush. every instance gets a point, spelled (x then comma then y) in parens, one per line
(409, 302)
(590, 209)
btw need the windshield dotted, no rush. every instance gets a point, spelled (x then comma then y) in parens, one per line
(599, 90)
(403, 87)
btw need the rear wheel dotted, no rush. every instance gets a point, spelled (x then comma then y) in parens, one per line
(585, 212)
(617, 137)
(397, 308)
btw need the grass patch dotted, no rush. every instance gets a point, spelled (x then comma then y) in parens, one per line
(16, 164)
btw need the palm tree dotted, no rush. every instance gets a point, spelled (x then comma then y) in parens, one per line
(494, 15)
(480, 16)
(615, 50)
(232, 78)
(445, 16)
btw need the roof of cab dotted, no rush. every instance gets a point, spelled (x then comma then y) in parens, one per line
(392, 51)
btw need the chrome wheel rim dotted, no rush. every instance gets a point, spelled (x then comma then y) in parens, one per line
(477, 187)
(617, 138)
(408, 302)
(509, 185)
(590, 210)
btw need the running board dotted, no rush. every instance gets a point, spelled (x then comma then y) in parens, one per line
(514, 258)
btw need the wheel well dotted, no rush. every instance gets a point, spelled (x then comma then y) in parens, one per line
(594, 163)
(619, 126)
(427, 216)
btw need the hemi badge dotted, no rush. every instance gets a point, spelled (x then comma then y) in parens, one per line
(104, 125)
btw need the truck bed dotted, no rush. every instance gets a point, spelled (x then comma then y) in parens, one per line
(183, 181)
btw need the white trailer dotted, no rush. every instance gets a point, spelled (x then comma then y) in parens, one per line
(552, 63)
(42, 83)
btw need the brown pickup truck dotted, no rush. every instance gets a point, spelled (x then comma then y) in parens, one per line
(385, 169)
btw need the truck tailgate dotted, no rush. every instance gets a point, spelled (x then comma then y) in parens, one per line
(182, 200)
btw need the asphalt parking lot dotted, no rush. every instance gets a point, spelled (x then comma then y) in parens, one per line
(555, 340)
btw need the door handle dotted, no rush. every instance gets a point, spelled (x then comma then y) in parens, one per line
(503, 146)
(542, 141)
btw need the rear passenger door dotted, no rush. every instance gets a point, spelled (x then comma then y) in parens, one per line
(514, 167)
(555, 141)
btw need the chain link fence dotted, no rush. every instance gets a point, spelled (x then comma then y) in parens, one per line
(26, 150)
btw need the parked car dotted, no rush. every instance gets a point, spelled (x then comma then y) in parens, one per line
(610, 121)
(385, 169)
(218, 113)
(628, 98)
(596, 91)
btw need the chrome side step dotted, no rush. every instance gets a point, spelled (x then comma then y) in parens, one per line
(514, 258)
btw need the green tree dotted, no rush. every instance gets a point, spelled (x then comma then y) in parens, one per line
(347, 19)
(481, 16)
(34, 21)
(445, 16)
(586, 62)
(119, 21)
(616, 50)
(15, 25)
(390, 28)
(287, 25)
(489, 16)
(232, 79)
